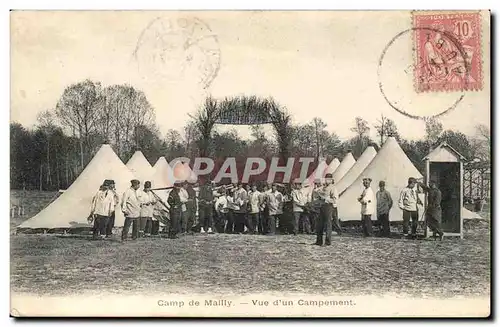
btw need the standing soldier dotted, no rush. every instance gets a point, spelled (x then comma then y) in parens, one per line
(275, 199)
(384, 205)
(100, 211)
(287, 217)
(254, 196)
(206, 203)
(148, 202)
(280, 216)
(131, 207)
(334, 197)
(241, 199)
(299, 216)
(190, 209)
(116, 202)
(232, 207)
(183, 194)
(328, 197)
(433, 211)
(408, 201)
(264, 209)
(222, 208)
(218, 220)
(367, 206)
(174, 201)
(314, 205)
(92, 217)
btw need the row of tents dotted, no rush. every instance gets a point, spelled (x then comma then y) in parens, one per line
(71, 208)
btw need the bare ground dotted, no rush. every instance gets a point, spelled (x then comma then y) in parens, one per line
(242, 264)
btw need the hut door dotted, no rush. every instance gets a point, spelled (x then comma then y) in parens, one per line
(448, 177)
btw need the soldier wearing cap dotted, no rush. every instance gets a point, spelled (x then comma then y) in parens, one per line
(314, 205)
(274, 201)
(190, 213)
(241, 199)
(148, 200)
(100, 211)
(264, 208)
(205, 207)
(433, 211)
(254, 209)
(116, 202)
(367, 201)
(384, 205)
(175, 210)
(299, 203)
(131, 208)
(328, 197)
(408, 202)
(91, 219)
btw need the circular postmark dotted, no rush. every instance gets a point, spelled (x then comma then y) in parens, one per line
(405, 80)
(174, 49)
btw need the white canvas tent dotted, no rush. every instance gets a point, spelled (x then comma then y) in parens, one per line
(72, 208)
(333, 166)
(162, 175)
(467, 214)
(344, 167)
(356, 169)
(140, 166)
(390, 165)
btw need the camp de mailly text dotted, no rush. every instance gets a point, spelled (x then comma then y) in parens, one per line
(257, 303)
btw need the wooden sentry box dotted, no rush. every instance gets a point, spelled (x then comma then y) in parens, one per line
(445, 165)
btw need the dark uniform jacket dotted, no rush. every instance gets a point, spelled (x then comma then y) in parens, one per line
(206, 195)
(191, 197)
(433, 202)
(174, 200)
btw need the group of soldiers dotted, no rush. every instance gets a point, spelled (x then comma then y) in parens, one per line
(137, 206)
(256, 209)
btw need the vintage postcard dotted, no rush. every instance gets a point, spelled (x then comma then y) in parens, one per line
(250, 164)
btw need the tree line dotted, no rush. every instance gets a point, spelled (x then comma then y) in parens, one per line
(51, 155)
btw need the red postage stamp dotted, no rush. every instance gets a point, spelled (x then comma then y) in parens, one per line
(447, 51)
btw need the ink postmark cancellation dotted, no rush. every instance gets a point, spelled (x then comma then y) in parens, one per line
(178, 49)
(447, 51)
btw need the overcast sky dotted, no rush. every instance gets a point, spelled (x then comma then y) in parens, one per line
(322, 64)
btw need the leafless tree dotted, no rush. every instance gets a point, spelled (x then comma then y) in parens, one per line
(125, 110)
(205, 120)
(484, 132)
(433, 130)
(46, 124)
(79, 110)
(173, 137)
(361, 129)
(319, 129)
(191, 135)
(386, 128)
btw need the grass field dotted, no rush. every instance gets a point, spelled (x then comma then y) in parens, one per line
(219, 263)
(239, 264)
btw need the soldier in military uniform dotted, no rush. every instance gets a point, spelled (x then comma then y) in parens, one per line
(205, 207)
(433, 211)
(174, 201)
(328, 197)
(314, 205)
(190, 209)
